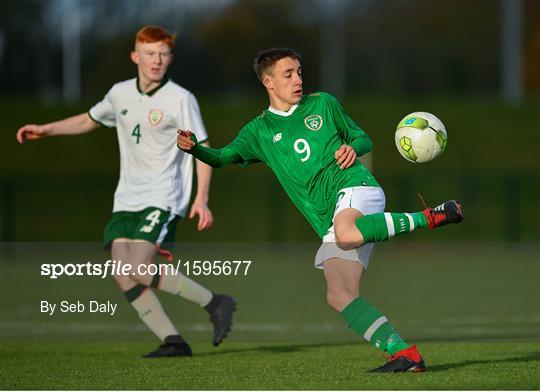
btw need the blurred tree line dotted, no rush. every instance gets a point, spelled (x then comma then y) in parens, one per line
(398, 46)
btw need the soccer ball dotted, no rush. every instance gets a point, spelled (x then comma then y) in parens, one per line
(421, 137)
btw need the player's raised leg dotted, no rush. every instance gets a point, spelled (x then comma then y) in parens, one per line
(352, 232)
(342, 282)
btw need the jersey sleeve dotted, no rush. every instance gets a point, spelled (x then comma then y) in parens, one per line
(241, 150)
(190, 118)
(103, 111)
(351, 133)
(246, 146)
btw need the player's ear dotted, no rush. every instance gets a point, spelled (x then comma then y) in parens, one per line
(134, 57)
(267, 81)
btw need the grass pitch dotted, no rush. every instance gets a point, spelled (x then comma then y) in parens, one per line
(473, 310)
(273, 366)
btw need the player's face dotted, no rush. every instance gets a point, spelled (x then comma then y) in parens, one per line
(284, 83)
(152, 60)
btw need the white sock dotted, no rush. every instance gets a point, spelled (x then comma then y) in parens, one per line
(152, 314)
(181, 285)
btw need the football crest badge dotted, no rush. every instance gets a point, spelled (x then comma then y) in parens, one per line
(155, 116)
(313, 122)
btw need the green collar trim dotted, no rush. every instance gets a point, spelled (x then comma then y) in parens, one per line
(155, 89)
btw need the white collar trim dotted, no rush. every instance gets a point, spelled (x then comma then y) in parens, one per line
(282, 113)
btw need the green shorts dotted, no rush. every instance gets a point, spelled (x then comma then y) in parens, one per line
(151, 224)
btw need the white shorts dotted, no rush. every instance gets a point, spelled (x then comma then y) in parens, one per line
(366, 199)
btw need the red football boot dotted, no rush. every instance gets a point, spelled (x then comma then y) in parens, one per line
(448, 212)
(408, 360)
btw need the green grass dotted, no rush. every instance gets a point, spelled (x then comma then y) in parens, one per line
(275, 366)
(472, 309)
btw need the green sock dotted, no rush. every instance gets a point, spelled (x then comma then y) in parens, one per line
(385, 225)
(368, 322)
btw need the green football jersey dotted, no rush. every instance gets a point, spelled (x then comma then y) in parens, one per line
(299, 146)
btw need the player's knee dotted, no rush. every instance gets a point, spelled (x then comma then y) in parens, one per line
(142, 278)
(136, 273)
(347, 238)
(123, 281)
(347, 241)
(344, 245)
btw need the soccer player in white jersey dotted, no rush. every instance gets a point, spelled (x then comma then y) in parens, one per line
(154, 187)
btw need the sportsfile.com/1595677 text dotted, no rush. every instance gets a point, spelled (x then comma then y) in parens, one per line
(118, 267)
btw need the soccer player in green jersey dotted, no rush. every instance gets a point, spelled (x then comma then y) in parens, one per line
(311, 145)
(154, 188)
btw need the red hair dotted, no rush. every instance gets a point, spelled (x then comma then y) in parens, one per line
(151, 34)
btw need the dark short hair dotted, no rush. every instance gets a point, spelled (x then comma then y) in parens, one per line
(268, 57)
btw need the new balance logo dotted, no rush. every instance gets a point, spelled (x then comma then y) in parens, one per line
(277, 137)
(402, 227)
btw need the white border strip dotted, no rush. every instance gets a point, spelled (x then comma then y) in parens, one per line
(376, 324)
(281, 112)
(411, 222)
(389, 224)
(165, 229)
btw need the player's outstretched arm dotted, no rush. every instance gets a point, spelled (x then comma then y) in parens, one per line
(200, 204)
(75, 125)
(215, 157)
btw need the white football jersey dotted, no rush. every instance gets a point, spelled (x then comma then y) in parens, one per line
(153, 171)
